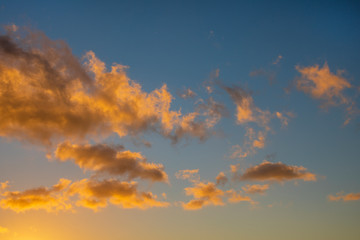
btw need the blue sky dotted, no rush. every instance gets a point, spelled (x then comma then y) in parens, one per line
(295, 63)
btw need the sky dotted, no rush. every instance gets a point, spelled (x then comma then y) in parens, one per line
(179, 120)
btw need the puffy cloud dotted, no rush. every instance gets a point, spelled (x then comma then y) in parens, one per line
(221, 179)
(50, 199)
(112, 160)
(47, 94)
(204, 194)
(3, 230)
(322, 84)
(96, 194)
(348, 197)
(256, 188)
(268, 171)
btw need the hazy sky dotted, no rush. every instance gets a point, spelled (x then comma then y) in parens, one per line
(179, 120)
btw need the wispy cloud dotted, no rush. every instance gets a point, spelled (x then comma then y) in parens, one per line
(256, 188)
(344, 197)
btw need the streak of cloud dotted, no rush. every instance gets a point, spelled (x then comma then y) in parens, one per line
(280, 172)
(255, 188)
(344, 197)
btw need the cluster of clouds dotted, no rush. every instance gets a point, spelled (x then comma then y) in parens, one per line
(51, 98)
(207, 193)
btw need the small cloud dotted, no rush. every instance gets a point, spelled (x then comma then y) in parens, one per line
(234, 197)
(204, 194)
(327, 87)
(187, 93)
(113, 160)
(277, 60)
(280, 172)
(189, 174)
(221, 179)
(346, 198)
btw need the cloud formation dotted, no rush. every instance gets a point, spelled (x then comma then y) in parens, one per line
(322, 84)
(111, 160)
(50, 199)
(347, 197)
(95, 194)
(89, 193)
(204, 194)
(48, 94)
(268, 171)
(246, 111)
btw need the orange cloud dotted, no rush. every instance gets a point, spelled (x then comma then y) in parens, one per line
(47, 94)
(96, 194)
(204, 194)
(246, 111)
(268, 171)
(112, 160)
(50, 199)
(348, 197)
(256, 188)
(322, 84)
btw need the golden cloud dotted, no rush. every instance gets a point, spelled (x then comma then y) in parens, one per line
(50, 199)
(47, 94)
(204, 194)
(111, 160)
(96, 194)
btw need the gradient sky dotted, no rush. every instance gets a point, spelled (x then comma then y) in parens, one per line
(179, 120)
